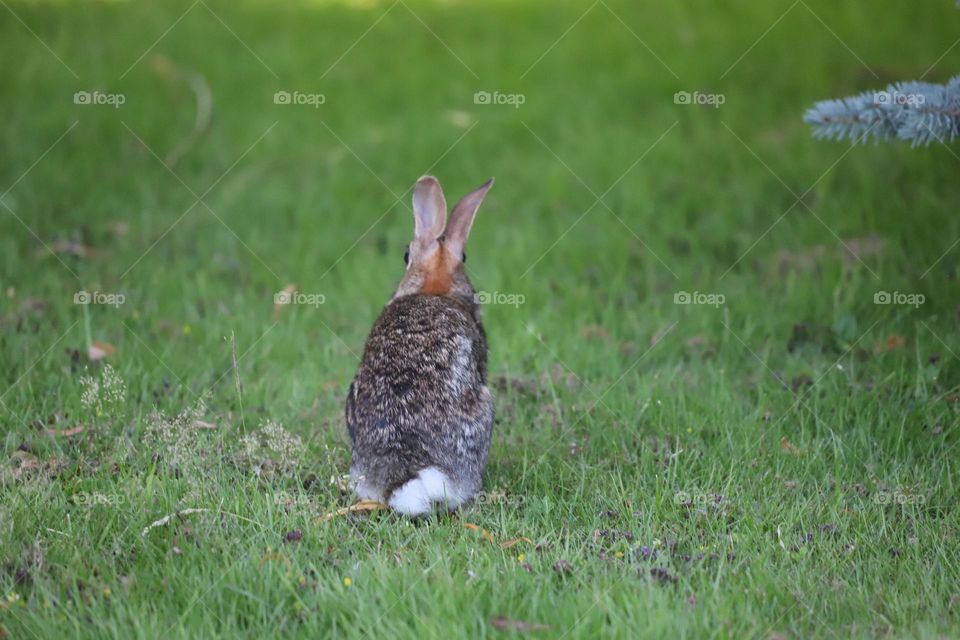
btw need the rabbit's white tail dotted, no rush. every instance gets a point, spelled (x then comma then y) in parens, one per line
(417, 495)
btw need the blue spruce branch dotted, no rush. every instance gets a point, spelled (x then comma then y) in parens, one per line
(918, 112)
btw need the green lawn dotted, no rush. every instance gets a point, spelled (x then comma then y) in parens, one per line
(780, 463)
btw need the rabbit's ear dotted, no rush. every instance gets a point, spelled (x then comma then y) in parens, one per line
(429, 209)
(461, 219)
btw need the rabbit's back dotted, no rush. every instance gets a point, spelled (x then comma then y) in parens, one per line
(419, 400)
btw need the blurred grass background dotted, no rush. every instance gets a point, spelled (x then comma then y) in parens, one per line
(610, 198)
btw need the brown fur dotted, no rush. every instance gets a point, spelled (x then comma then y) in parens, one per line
(438, 273)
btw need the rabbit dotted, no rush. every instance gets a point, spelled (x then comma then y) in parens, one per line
(419, 413)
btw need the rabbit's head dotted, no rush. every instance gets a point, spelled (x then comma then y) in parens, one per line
(435, 256)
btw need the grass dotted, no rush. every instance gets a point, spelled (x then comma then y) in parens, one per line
(782, 464)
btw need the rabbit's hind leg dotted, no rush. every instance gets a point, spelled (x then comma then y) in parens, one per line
(365, 488)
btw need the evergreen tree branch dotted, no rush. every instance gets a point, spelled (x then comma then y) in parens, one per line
(918, 112)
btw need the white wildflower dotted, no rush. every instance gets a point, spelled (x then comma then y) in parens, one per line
(286, 445)
(272, 448)
(104, 393)
(176, 439)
